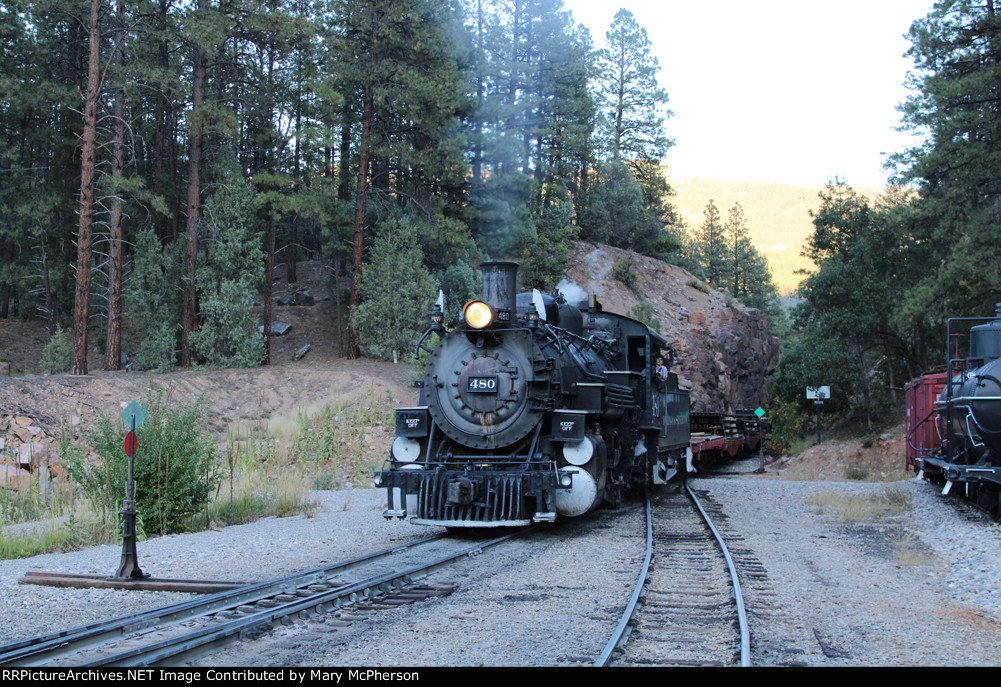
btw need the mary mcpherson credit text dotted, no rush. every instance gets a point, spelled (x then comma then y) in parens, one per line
(291, 675)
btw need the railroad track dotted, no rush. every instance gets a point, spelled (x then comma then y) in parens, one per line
(687, 608)
(181, 632)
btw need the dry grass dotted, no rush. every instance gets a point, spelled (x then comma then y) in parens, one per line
(910, 552)
(851, 508)
(897, 500)
(290, 425)
(257, 494)
(864, 459)
(338, 442)
(239, 430)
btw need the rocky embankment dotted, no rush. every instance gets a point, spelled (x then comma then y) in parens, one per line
(725, 349)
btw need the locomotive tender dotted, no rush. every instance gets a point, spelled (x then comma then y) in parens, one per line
(533, 407)
(954, 417)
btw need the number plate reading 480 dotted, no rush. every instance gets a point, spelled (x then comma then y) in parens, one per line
(481, 385)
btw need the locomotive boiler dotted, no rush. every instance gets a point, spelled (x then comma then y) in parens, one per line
(958, 440)
(533, 406)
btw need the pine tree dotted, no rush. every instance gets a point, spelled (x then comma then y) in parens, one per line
(713, 250)
(232, 270)
(84, 239)
(41, 130)
(740, 251)
(153, 302)
(398, 62)
(632, 102)
(387, 325)
(196, 121)
(957, 105)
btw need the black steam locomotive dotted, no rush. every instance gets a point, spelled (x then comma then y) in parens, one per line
(533, 407)
(957, 440)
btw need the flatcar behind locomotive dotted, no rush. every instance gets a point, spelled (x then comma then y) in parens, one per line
(533, 407)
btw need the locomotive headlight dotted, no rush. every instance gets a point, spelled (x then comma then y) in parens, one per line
(477, 314)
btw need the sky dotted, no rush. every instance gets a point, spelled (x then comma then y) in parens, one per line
(786, 91)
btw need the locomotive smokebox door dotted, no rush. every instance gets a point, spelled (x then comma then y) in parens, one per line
(412, 422)
(568, 425)
(461, 492)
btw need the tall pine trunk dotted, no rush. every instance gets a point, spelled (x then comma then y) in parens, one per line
(268, 283)
(190, 323)
(113, 352)
(84, 235)
(354, 350)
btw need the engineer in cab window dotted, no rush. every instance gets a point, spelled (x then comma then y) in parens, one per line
(660, 374)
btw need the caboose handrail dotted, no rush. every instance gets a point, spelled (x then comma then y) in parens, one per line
(915, 428)
(956, 400)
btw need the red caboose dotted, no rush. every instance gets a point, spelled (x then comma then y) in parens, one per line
(923, 431)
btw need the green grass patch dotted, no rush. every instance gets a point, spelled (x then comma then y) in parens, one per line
(857, 473)
(256, 494)
(698, 284)
(77, 531)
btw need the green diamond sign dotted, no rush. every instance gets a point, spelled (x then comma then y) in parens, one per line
(134, 409)
(760, 412)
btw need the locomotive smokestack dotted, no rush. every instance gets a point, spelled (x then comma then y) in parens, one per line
(500, 287)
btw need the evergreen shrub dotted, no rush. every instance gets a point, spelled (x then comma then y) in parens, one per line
(623, 271)
(57, 356)
(397, 292)
(698, 284)
(153, 301)
(645, 314)
(175, 470)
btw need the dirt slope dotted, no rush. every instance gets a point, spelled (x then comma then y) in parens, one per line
(231, 395)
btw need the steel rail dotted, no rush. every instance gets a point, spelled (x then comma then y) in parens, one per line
(738, 595)
(37, 650)
(620, 630)
(205, 638)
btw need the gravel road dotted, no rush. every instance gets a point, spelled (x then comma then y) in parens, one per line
(917, 588)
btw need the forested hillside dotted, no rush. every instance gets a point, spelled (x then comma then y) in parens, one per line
(163, 160)
(888, 274)
(778, 218)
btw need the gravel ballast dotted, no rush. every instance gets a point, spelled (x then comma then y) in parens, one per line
(918, 588)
